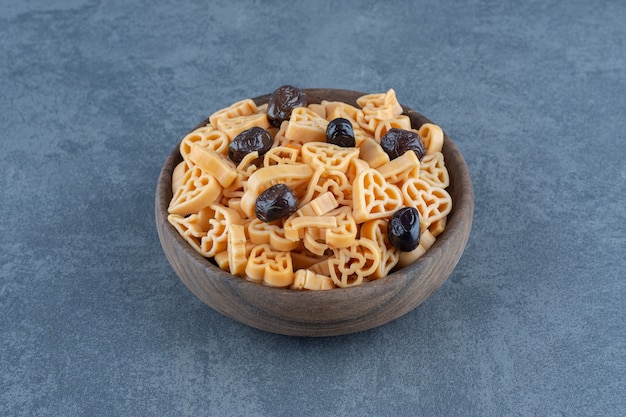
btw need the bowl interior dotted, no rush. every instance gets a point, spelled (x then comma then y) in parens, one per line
(323, 313)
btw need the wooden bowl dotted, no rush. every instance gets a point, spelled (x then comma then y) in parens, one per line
(333, 312)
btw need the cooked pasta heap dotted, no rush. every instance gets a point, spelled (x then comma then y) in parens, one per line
(334, 219)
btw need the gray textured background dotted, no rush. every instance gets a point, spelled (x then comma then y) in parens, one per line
(93, 97)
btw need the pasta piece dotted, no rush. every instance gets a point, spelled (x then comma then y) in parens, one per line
(407, 258)
(386, 101)
(269, 266)
(319, 206)
(309, 280)
(192, 228)
(288, 174)
(349, 266)
(198, 190)
(318, 109)
(279, 138)
(237, 260)
(306, 126)
(270, 233)
(178, 175)
(241, 108)
(294, 175)
(221, 259)
(333, 181)
(356, 166)
(376, 108)
(335, 109)
(235, 204)
(216, 237)
(376, 230)
(216, 164)
(313, 242)
(245, 168)
(438, 226)
(304, 259)
(344, 234)
(247, 165)
(433, 203)
(397, 122)
(373, 153)
(206, 231)
(328, 156)
(281, 155)
(401, 168)
(321, 267)
(433, 170)
(373, 197)
(207, 137)
(236, 125)
(432, 137)
(314, 222)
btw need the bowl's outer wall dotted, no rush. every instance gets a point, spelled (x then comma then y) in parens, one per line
(323, 313)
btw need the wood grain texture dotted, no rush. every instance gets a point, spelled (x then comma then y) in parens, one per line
(323, 313)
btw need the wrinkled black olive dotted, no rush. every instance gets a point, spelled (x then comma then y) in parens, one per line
(282, 101)
(276, 202)
(250, 140)
(403, 229)
(397, 141)
(340, 132)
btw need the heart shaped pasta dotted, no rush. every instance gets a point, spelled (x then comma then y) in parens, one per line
(198, 190)
(373, 197)
(349, 266)
(192, 228)
(433, 170)
(433, 203)
(328, 156)
(376, 109)
(206, 136)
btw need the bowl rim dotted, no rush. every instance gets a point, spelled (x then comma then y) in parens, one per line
(454, 238)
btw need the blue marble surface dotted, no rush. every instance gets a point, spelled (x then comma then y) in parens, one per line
(93, 97)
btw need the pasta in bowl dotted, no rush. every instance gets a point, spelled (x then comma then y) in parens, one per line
(312, 233)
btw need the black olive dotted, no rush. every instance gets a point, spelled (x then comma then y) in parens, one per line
(403, 229)
(397, 141)
(282, 101)
(340, 132)
(250, 140)
(276, 202)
